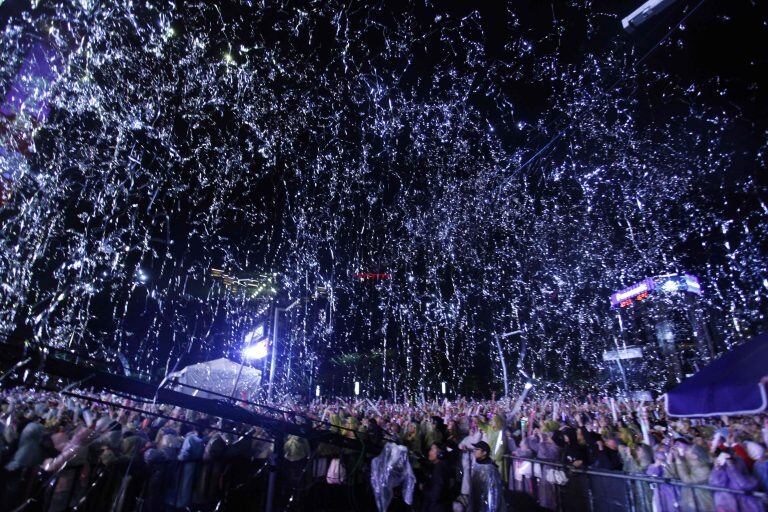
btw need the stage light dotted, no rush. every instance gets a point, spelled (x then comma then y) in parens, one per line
(442, 385)
(317, 391)
(528, 385)
(357, 388)
(256, 351)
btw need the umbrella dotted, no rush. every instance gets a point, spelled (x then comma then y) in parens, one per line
(733, 384)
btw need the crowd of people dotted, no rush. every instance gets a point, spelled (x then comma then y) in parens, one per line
(167, 458)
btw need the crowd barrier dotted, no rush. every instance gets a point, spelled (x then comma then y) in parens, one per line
(133, 486)
(564, 488)
(137, 487)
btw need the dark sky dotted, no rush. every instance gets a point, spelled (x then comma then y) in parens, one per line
(301, 166)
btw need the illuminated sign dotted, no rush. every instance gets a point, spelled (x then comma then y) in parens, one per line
(623, 353)
(667, 283)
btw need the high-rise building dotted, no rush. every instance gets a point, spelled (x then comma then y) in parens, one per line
(661, 333)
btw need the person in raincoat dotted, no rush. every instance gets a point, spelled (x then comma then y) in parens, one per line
(71, 465)
(432, 433)
(192, 451)
(27, 456)
(29, 452)
(412, 440)
(731, 472)
(522, 469)
(487, 489)
(208, 478)
(664, 495)
(154, 461)
(494, 436)
(636, 462)
(296, 451)
(326, 452)
(691, 464)
(548, 451)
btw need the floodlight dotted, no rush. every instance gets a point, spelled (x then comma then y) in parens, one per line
(256, 351)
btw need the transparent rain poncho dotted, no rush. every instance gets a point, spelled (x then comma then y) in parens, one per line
(389, 470)
(487, 491)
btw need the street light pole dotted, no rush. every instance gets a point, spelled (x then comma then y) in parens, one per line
(497, 339)
(503, 365)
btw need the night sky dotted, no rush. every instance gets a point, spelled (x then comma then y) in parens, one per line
(499, 169)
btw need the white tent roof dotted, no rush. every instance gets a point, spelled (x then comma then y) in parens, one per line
(219, 376)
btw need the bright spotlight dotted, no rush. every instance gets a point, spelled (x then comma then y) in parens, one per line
(442, 385)
(357, 388)
(528, 385)
(256, 351)
(317, 391)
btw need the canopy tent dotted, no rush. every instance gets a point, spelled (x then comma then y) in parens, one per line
(219, 376)
(733, 384)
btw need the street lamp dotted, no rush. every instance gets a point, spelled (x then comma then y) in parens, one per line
(501, 357)
(256, 351)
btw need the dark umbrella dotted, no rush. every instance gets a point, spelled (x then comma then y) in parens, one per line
(733, 384)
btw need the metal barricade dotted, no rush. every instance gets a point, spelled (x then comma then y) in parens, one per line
(561, 487)
(166, 485)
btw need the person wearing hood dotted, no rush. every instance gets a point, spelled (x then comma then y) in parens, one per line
(732, 472)
(432, 432)
(412, 440)
(72, 468)
(155, 461)
(192, 451)
(548, 451)
(690, 464)
(207, 488)
(325, 451)
(575, 454)
(27, 456)
(296, 451)
(111, 435)
(170, 445)
(637, 462)
(761, 466)
(129, 462)
(30, 451)
(494, 435)
(664, 495)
